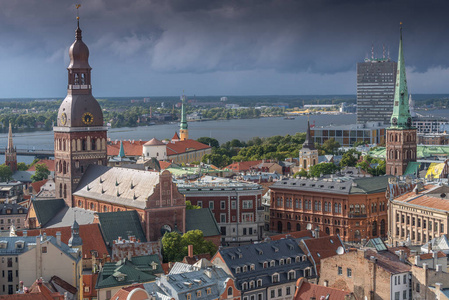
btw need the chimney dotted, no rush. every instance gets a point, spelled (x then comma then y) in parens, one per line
(317, 232)
(58, 238)
(424, 266)
(438, 286)
(439, 268)
(402, 255)
(190, 251)
(130, 257)
(25, 233)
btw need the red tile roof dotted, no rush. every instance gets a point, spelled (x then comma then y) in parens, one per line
(123, 293)
(89, 280)
(192, 260)
(89, 233)
(323, 247)
(243, 166)
(430, 255)
(132, 148)
(388, 261)
(164, 164)
(50, 163)
(154, 142)
(176, 136)
(309, 291)
(38, 184)
(178, 147)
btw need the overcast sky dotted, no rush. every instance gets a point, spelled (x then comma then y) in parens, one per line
(219, 47)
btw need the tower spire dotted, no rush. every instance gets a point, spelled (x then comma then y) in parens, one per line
(184, 131)
(10, 144)
(308, 143)
(401, 112)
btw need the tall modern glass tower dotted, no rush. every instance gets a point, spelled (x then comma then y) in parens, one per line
(375, 89)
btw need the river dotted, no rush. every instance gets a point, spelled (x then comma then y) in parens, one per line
(222, 130)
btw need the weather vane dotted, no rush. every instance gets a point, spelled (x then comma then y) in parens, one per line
(77, 11)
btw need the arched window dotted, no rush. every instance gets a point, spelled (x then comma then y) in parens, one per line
(83, 145)
(60, 190)
(64, 167)
(230, 291)
(289, 226)
(65, 190)
(339, 208)
(337, 231)
(357, 235)
(327, 230)
(382, 227)
(92, 206)
(93, 144)
(298, 227)
(374, 228)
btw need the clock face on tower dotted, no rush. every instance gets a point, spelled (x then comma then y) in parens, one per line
(63, 118)
(87, 118)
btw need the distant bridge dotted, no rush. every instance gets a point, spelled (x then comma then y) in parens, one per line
(30, 152)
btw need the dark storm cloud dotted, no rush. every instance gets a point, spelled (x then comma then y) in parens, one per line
(206, 36)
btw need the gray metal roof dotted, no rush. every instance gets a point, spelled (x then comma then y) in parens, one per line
(256, 254)
(123, 186)
(14, 207)
(67, 215)
(177, 286)
(336, 185)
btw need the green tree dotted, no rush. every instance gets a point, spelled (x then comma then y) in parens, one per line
(330, 146)
(322, 169)
(41, 173)
(175, 246)
(21, 166)
(5, 173)
(349, 159)
(190, 206)
(209, 141)
(172, 247)
(302, 173)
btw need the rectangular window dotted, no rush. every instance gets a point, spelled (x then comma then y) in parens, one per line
(247, 204)
(340, 271)
(222, 218)
(44, 249)
(233, 204)
(272, 294)
(349, 272)
(259, 296)
(9, 262)
(404, 294)
(244, 231)
(222, 204)
(287, 291)
(9, 275)
(279, 292)
(200, 204)
(247, 217)
(397, 295)
(211, 205)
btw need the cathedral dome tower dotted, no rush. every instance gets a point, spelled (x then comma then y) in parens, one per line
(80, 137)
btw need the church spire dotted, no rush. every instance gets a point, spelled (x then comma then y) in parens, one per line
(121, 153)
(308, 143)
(10, 144)
(401, 117)
(184, 131)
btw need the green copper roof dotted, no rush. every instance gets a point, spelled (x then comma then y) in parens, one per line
(412, 168)
(122, 151)
(401, 119)
(183, 124)
(423, 151)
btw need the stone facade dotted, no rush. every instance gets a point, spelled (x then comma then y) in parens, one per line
(424, 281)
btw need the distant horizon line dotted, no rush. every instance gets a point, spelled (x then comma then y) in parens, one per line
(194, 95)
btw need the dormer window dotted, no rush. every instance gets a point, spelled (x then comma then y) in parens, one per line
(252, 267)
(281, 261)
(289, 260)
(272, 263)
(245, 268)
(3, 244)
(291, 275)
(244, 286)
(265, 264)
(198, 294)
(237, 270)
(259, 282)
(304, 258)
(275, 278)
(251, 284)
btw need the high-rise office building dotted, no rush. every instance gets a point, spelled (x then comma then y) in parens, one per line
(375, 89)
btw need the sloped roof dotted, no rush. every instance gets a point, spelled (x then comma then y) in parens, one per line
(178, 147)
(243, 166)
(123, 186)
(46, 209)
(430, 255)
(202, 219)
(38, 184)
(336, 185)
(388, 261)
(154, 142)
(164, 164)
(296, 234)
(50, 163)
(132, 148)
(120, 223)
(23, 176)
(137, 270)
(124, 292)
(412, 168)
(309, 290)
(90, 235)
(67, 215)
(323, 247)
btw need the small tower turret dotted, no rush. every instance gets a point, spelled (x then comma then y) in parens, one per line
(308, 155)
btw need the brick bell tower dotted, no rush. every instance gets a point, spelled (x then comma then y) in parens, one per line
(11, 152)
(80, 137)
(401, 136)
